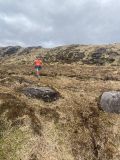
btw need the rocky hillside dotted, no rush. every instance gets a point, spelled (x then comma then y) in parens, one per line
(63, 115)
(85, 54)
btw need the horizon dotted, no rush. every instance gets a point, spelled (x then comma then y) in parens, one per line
(34, 46)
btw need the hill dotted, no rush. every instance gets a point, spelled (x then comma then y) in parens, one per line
(72, 126)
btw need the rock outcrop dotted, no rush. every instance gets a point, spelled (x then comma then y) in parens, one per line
(85, 54)
(45, 93)
(110, 102)
(8, 51)
(15, 50)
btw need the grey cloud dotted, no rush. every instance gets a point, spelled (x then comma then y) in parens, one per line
(55, 22)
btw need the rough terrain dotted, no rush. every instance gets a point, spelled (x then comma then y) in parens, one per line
(73, 127)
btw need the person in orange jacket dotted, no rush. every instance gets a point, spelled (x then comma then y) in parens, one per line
(38, 66)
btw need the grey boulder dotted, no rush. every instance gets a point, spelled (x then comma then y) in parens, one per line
(45, 93)
(110, 101)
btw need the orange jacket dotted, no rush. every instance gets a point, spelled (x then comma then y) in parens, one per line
(38, 62)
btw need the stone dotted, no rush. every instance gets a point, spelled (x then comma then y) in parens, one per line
(45, 93)
(8, 51)
(110, 101)
(16, 50)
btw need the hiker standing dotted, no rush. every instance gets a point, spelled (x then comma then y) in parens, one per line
(38, 66)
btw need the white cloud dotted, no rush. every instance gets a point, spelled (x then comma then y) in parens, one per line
(50, 44)
(54, 22)
(104, 1)
(11, 43)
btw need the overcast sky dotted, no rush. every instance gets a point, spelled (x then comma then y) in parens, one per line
(50, 23)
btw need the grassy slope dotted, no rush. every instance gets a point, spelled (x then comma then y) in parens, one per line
(71, 128)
